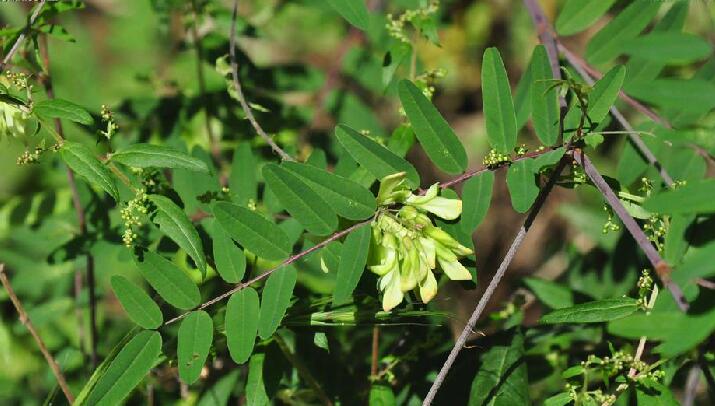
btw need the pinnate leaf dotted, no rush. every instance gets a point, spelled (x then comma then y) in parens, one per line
(138, 305)
(301, 201)
(502, 376)
(85, 164)
(605, 93)
(577, 15)
(593, 312)
(498, 105)
(378, 160)
(158, 156)
(694, 197)
(172, 284)
(173, 222)
(194, 342)
(275, 299)
(435, 135)
(522, 185)
(668, 46)
(476, 198)
(230, 260)
(63, 109)
(127, 369)
(252, 231)
(544, 102)
(353, 258)
(354, 11)
(242, 314)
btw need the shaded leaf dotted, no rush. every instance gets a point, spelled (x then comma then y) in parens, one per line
(550, 293)
(253, 231)
(194, 341)
(138, 305)
(157, 156)
(300, 201)
(381, 395)
(592, 312)
(85, 164)
(498, 106)
(353, 258)
(608, 42)
(679, 94)
(668, 46)
(604, 93)
(62, 109)
(275, 299)
(435, 135)
(127, 369)
(502, 377)
(255, 386)
(349, 199)
(242, 313)
(219, 393)
(378, 160)
(522, 94)
(354, 11)
(544, 102)
(522, 185)
(230, 260)
(476, 198)
(242, 181)
(577, 15)
(170, 282)
(173, 222)
(693, 197)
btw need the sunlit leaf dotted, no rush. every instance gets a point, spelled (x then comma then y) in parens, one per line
(194, 341)
(604, 93)
(138, 305)
(435, 135)
(242, 313)
(668, 46)
(173, 222)
(275, 299)
(544, 103)
(157, 156)
(522, 185)
(230, 260)
(476, 198)
(85, 164)
(498, 106)
(252, 231)
(577, 15)
(353, 258)
(172, 284)
(62, 109)
(592, 312)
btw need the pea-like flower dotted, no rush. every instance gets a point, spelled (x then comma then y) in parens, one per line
(407, 248)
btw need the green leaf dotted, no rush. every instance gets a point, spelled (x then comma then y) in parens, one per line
(697, 264)
(476, 199)
(593, 312)
(550, 293)
(127, 369)
(138, 305)
(605, 93)
(255, 386)
(275, 300)
(300, 200)
(608, 43)
(658, 396)
(577, 15)
(544, 100)
(349, 199)
(522, 185)
(435, 135)
(561, 399)
(157, 156)
(170, 282)
(354, 11)
(498, 106)
(63, 109)
(253, 231)
(242, 181)
(522, 94)
(678, 94)
(230, 260)
(668, 46)
(173, 222)
(676, 242)
(381, 395)
(378, 160)
(353, 258)
(220, 392)
(196, 334)
(242, 313)
(502, 377)
(694, 197)
(85, 164)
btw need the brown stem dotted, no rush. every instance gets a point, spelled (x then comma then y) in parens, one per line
(81, 216)
(303, 371)
(21, 37)
(467, 331)
(213, 145)
(375, 350)
(25, 320)
(239, 92)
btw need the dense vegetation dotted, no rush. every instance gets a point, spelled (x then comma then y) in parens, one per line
(347, 202)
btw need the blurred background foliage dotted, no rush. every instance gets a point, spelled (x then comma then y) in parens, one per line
(139, 58)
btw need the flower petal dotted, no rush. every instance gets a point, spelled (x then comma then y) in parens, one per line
(454, 270)
(428, 288)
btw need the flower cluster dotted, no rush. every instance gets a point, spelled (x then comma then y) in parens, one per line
(13, 120)
(406, 246)
(495, 159)
(108, 118)
(396, 26)
(132, 216)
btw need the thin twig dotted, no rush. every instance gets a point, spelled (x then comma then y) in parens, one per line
(25, 320)
(21, 37)
(303, 371)
(239, 92)
(375, 350)
(81, 216)
(467, 331)
(662, 269)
